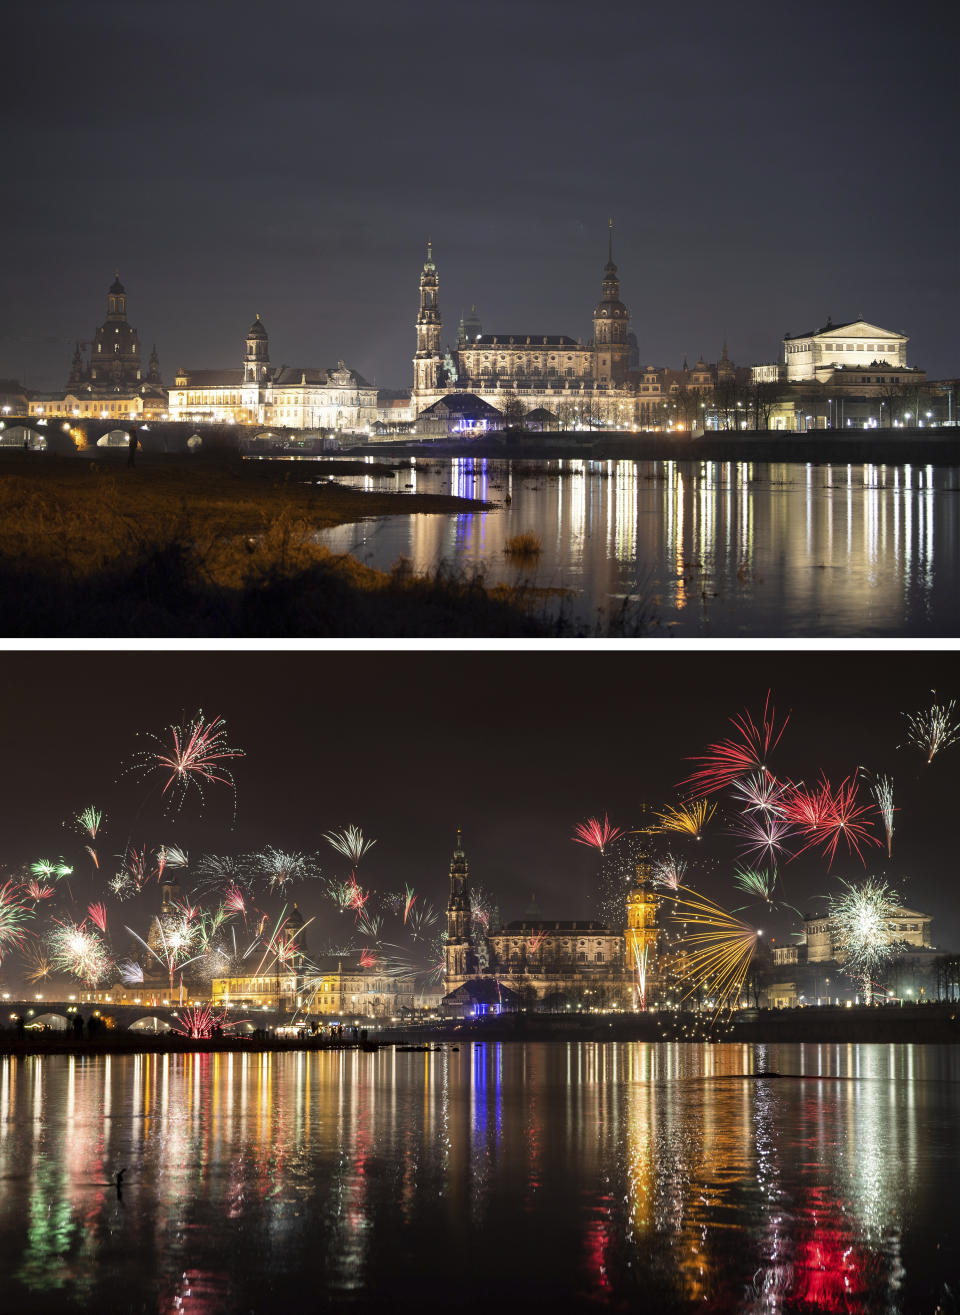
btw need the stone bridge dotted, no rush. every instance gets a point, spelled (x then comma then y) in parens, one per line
(86, 434)
(125, 1017)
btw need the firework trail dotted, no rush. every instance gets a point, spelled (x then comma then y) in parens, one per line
(193, 756)
(536, 942)
(421, 921)
(14, 912)
(689, 819)
(883, 793)
(93, 855)
(933, 729)
(756, 882)
(97, 914)
(716, 956)
(728, 760)
(79, 951)
(409, 899)
(641, 955)
(90, 820)
(350, 842)
(669, 871)
(596, 834)
(370, 926)
(860, 919)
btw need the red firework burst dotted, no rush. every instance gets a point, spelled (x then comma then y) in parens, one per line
(836, 815)
(595, 833)
(98, 916)
(727, 760)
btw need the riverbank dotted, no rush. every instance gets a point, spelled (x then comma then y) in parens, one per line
(194, 546)
(820, 447)
(934, 1024)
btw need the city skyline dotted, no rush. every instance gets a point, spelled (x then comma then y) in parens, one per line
(763, 173)
(526, 772)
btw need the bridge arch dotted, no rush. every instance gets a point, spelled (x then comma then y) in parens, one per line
(151, 1023)
(114, 438)
(24, 437)
(53, 1018)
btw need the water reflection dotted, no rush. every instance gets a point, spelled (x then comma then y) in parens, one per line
(719, 547)
(610, 1174)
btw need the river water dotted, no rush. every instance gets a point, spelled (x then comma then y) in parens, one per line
(617, 1177)
(696, 548)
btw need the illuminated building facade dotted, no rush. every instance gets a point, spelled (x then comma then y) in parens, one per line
(258, 393)
(347, 988)
(554, 963)
(111, 381)
(575, 380)
(857, 345)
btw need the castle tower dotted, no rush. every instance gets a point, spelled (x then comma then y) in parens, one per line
(256, 356)
(78, 370)
(428, 362)
(470, 327)
(153, 372)
(115, 355)
(640, 934)
(610, 318)
(458, 956)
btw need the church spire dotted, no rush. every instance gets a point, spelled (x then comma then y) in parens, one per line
(611, 240)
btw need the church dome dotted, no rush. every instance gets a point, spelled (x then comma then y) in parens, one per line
(116, 287)
(257, 329)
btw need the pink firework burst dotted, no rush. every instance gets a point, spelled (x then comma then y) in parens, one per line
(198, 1022)
(98, 916)
(596, 834)
(234, 901)
(535, 944)
(368, 959)
(725, 762)
(37, 890)
(195, 755)
(764, 837)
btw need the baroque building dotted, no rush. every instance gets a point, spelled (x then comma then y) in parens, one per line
(111, 379)
(291, 397)
(575, 380)
(552, 962)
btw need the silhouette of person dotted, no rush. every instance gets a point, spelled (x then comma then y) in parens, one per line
(132, 449)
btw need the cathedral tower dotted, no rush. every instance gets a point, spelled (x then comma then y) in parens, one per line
(428, 362)
(640, 934)
(610, 318)
(458, 956)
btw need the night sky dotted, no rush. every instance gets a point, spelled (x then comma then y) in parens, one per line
(766, 166)
(514, 747)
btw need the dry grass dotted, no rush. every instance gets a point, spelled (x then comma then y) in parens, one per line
(525, 546)
(184, 548)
